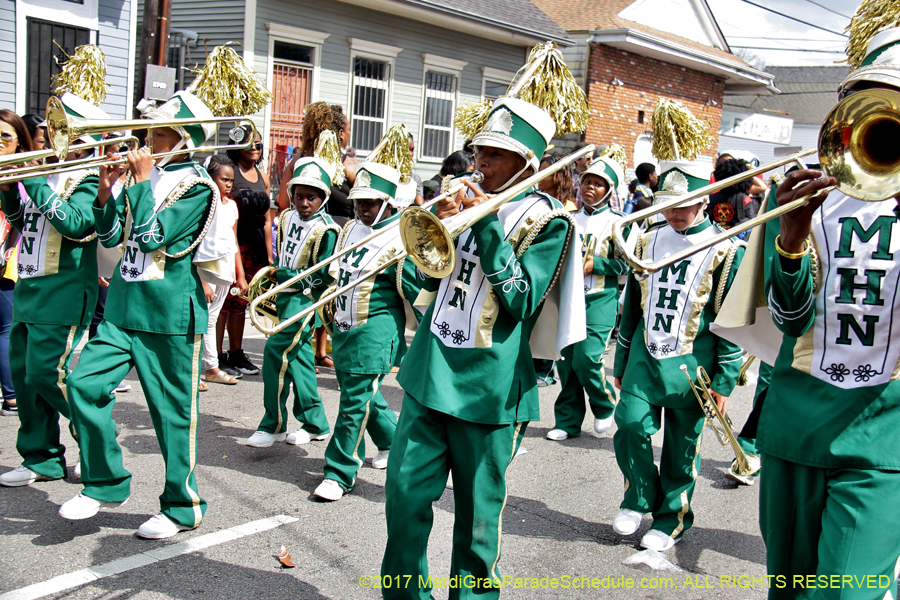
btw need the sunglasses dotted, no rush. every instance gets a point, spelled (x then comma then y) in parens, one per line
(7, 139)
(255, 146)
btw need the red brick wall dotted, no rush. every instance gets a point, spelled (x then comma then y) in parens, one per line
(614, 108)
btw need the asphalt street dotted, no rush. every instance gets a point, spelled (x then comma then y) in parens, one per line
(557, 524)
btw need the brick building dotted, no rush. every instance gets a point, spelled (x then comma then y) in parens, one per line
(630, 53)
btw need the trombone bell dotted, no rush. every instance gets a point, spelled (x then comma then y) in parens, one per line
(427, 242)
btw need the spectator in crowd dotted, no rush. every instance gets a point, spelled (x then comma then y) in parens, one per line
(254, 234)
(455, 164)
(732, 205)
(13, 138)
(647, 179)
(410, 191)
(580, 166)
(35, 130)
(560, 185)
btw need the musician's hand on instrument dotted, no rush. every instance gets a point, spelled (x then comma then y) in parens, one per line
(797, 224)
(141, 164)
(241, 284)
(449, 206)
(478, 198)
(617, 382)
(588, 265)
(720, 400)
(108, 176)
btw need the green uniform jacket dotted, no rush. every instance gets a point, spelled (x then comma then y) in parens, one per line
(67, 293)
(840, 419)
(494, 381)
(378, 344)
(660, 381)
(165, 305)
(307, 291)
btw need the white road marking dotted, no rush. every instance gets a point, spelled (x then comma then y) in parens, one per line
(77, 578)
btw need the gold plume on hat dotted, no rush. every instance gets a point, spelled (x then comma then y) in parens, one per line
(393, 151)
(871, 17)
(329, 150)
(228, 86)
(83, 74)
(617, 153)
(678, 134)
(471, 118)
(544, 81)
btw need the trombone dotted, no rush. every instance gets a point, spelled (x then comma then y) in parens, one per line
(266, 299)
(745, 464)
(11, 175)
(63, 129)
(427, 240)
(856, 146)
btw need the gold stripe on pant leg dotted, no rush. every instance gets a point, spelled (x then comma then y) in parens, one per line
(362, 427)
(284, 366)
(192, 438)
(512, 455)
(60, 367)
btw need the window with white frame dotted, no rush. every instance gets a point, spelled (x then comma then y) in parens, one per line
(494, 83)
(440, 102)
(371, 87)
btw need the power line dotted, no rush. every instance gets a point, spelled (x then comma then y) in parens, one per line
(781, 14)
(757, 37)
(822, 6)
(789, 49)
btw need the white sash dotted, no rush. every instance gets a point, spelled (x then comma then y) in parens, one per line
(596, 226)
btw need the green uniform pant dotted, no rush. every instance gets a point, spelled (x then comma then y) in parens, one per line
(583, 370)
(748, 443)
(168, 367)
(288, 359)
(429, 445)
(818, 523)
(665, 492)
(39, 362)
(362, 408)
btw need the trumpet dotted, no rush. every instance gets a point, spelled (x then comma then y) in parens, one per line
(63, 128)
(11, 175)
(259, 297)
(745, 464)
(856, 146)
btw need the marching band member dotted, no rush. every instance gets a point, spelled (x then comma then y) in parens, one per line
(156, 314)
(54, 298)
(306, 235)
(368, 328)
(469, 378)
(665, 324)
(830, 424)
(583, 368)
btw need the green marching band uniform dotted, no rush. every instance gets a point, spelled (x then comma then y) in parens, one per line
(155, 316)
(664, 325)
(583, 369)
(468, 415)
(368, 333)
(54, 300)
(288, 355)
(830, 425)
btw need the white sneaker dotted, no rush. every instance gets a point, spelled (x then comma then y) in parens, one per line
(657, 540)
(76, 471)
(321, 437)
(261, 439)
(21, 475)
(82, 507)
(602, 425)
(557, 435)
(380, 461)
(298, 438)
(159, 527)
(329, 490)
(123, 387)
(627, 521)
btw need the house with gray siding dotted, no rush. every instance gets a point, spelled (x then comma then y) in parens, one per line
(384, 61)
(30, 31)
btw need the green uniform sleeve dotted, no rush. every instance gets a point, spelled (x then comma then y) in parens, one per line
(520, 283)
(631, 316)
(13, 207)
(109, 221)
(729, 354)
(153, 229)
(72, 219)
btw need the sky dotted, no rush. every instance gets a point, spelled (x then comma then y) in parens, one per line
(746, 25)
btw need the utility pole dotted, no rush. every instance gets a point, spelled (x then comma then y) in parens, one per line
(154, 40)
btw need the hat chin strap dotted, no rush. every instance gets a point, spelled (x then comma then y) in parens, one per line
(600, 202)
(165, 159)
(701, 214)
(513, 179)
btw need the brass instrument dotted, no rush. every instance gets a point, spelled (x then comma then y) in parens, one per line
(268, 296)
(263, 281)
(11, 175)
(745, 464)
(856, 146)
(742, 374)
(427, 240)
(63, 129)
(589, 250)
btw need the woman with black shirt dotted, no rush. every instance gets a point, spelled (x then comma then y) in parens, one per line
(254, 235)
